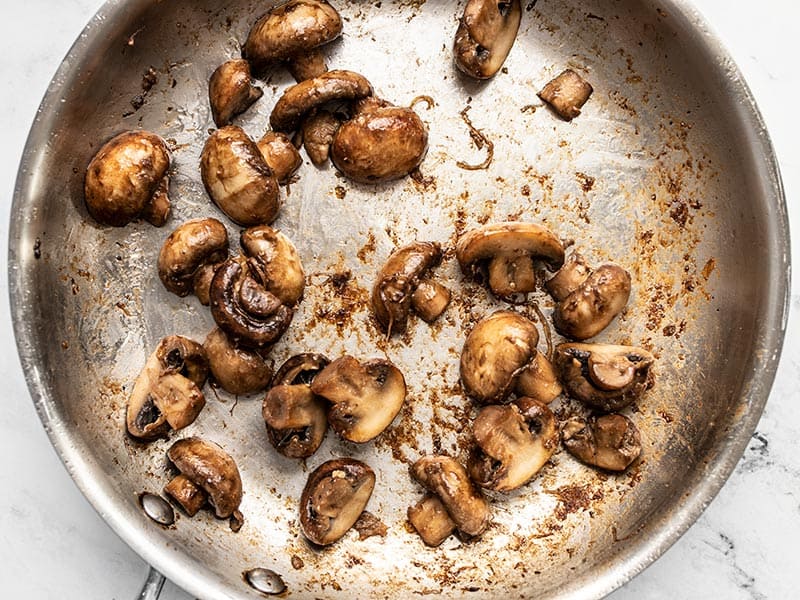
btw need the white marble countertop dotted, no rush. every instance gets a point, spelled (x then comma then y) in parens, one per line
(55, 546)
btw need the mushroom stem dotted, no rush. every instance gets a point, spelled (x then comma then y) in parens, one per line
(430, 300)
(190, 497)
(539, 380)
(511, 274)
(307, 65)
(429, 517)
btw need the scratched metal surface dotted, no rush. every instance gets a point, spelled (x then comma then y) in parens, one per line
(666, 172)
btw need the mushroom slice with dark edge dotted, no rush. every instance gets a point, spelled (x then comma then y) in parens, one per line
(430, 519)
(496, 351)
(365, 397)
(206, 466)
(280, 155)
(539, 380)
(231, 91)
(167, 394)
(237, 370)
(301, 98)
(604, 376)
(238, 179)
(319, 128)
(509, 249)
(566, 94)
(394, 292)
(514, 443)
(610, 442)
(448, 480)
(485, 35)
(127, 179)
(294, 416)
(274, 258)
(379, 143)
(187, 251)
(335, 495)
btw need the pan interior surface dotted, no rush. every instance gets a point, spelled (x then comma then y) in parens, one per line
(666, 172)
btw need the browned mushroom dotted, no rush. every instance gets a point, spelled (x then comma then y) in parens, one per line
(514, 443)
(379, 143)
(186, 253)
(231, 91)
(211, 470)
(307, 65)
(430, 519)
(508, 249)
(237, 370)
(273, 257)
(539, 380)
(280, 155)
(485, 35)
(365, 397)
(127, 179)
(395, 290)
(333, 498)
(610, 442)
(566, 94)
(319, 128)
(238, 179)
(604, 376)
(167, 394)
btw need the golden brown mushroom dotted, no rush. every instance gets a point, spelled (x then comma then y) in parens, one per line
(280, 155)
(274, 258)
(236, 369)
(231, 91)
(319, 128)
(610, 442)
(485, 35)
(430, 519)
(566, 94)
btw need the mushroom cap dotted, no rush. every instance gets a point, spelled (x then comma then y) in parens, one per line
(333, 498)
(366, 396)
(231, 91)
(291, 29)
(192, 245)
(610, 442)
(299, 99)
(209, 467)
(280, 155)
(606, 376)
(496, 350)
(398, 280)
(274, 257)
(295, 419)
(238, 179)
(448, 480)
(238, 370)
(124, 176)
(514, 443)
(485, 36)
(429, 517)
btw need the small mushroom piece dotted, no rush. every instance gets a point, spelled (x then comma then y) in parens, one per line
(127, 179)
(448, 480)
(496, 351)
(167, 394)
(274, 258)
(430, 519)
(365, 396)
(605, 376)
(231, 91)
(210, 468)
(430, 300)
(190, 497)
(188, 250)
(509, 250)
(610, 442)
(307, 65)
(514, 443)
(566, 94)
(569, 277)
(539, 380)
(335, 495)
(398, 281)
(237, 370)
(379, 143)
(319, 129)
(238, 179)
(485, 35)
(301, 98)
(280, 155)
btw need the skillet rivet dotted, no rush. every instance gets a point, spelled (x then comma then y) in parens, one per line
(157, 509)
(265, 581)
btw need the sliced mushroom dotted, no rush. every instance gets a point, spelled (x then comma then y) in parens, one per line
(210, 468)
(379, 143)
(604, 376)
(127, 179)
(334, 497)
(496, 351)
(448, 480)
(539, 380)
(509, 249)
(167, 394)
(294, 416)
(273, 257)
(280, 155)
(610, 442)
(188, 250)
(430, 519)
(514, 443)
(485, 36)
(190, 497)
(393, 294)
(231, 91)
(238, 179)
(237, 370)
(365, 397)
(566, 94)
(319, 128)
(301, 98)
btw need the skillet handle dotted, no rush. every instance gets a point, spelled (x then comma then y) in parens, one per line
(151, 589)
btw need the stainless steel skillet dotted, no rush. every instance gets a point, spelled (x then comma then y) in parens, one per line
(668, 171)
